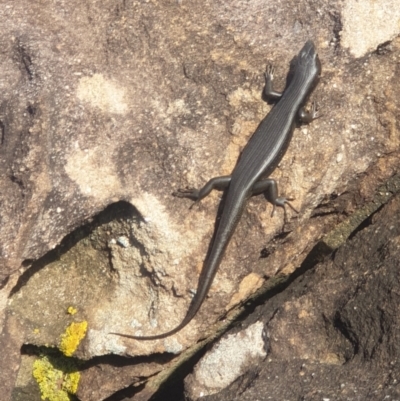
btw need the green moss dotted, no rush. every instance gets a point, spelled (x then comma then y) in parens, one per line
(57, 377)
(72, 337)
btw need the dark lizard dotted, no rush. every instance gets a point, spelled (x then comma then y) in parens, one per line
(258, 160)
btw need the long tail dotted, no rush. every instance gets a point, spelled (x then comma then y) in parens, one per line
(229, 219)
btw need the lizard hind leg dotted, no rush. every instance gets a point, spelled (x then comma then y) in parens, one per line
(269, 188)
(282, 202)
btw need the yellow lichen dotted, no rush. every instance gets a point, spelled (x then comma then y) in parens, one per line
(73, 335)
(57, 377)
(70, 385)
(71, 310)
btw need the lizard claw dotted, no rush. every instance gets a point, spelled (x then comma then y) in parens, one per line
(185, 193)
(190, 193)
(282, 202)
(315, 108)
(269, 73)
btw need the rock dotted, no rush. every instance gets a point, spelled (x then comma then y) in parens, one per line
(332, 334)
(106, 109)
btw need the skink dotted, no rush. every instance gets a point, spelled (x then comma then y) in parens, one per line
(258, 160)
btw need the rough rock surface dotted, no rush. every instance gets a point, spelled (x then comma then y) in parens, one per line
(333, 334)
(108, 107)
